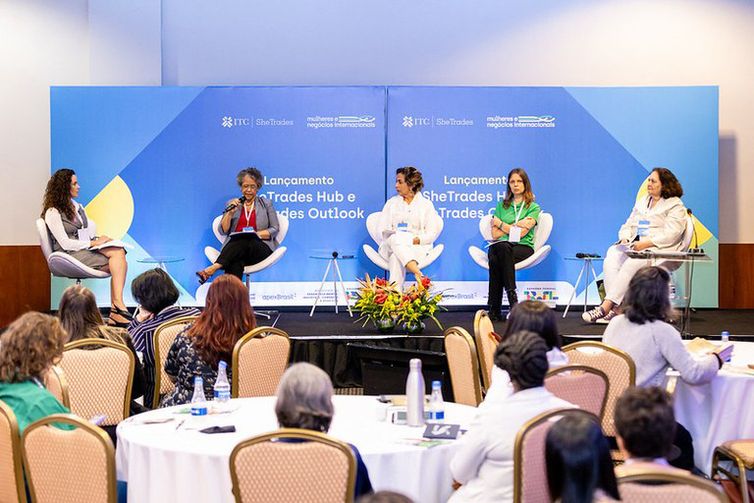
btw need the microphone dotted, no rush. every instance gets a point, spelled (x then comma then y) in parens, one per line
(587, 255)
(233, 206)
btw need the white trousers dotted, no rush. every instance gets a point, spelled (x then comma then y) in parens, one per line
(618, 269)
(400, 254)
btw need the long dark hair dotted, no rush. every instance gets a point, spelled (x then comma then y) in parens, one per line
(671, 187)
(226, 317)
(58, 193)
(648, 298)
(537, 317)
(578, 461)
(528, 194)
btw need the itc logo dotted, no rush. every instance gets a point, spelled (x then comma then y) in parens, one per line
(230, 122)
(410, 121)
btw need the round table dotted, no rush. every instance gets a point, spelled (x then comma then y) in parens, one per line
(161, 261)
(173, 461)
(722, 409)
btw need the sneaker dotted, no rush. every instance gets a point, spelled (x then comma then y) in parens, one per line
(609, 316)
(593, 315)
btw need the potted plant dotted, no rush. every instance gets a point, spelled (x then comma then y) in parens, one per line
(417, 304)
(377, 301)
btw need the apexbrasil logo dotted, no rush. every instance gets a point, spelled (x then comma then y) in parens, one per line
(229, 121)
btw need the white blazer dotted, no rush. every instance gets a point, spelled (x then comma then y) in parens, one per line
(667, 222)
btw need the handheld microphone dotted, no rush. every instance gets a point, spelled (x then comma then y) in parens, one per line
(587, 255)
(233, 206)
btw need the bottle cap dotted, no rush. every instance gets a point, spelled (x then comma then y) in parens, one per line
(436, 384)
(198, 380)
(222, 365)
(415, 363)
(725, 332)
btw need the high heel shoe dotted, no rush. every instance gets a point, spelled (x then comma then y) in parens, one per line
(123, 314)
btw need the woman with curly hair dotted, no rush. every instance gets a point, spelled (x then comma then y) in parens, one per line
(72, 232)
(198, 350)
(657, 222)
(30, 346)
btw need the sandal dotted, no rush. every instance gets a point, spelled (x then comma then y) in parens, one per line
(123, 313)
(203, 276)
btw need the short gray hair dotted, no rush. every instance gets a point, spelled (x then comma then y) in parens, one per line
(304, 398)
(253, 173)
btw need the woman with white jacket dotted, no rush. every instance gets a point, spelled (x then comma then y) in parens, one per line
(657, 222)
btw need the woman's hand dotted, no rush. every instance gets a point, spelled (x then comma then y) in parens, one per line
(232, 204)
(100, 240)
(496, 222)
(642, 244)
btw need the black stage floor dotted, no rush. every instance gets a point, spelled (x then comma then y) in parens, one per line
(704, 322)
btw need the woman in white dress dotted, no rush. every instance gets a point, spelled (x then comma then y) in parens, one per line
(72, 232)
(408, 225)
(657, 222)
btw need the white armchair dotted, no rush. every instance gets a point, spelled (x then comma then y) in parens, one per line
(541, 249)
(381, 261)
(64, 265)
(212, 253)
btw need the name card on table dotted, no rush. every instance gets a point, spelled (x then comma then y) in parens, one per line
(444, 431)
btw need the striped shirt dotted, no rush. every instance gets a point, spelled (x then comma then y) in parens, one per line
(142, 333)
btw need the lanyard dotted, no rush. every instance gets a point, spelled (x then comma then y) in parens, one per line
(518, 213)
(248, 213)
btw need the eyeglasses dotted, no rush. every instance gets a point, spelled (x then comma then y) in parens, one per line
(249, 186)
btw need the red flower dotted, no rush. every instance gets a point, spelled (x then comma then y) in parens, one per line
(380, 281)
(380, 298)
(426, 281)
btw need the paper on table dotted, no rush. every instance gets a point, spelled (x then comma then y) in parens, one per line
(113, 243)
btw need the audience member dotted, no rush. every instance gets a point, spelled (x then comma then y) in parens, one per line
(579, 466)
(198, 350)
(483, 462)
(29, 347)
(646, 425)
(81, 319)
(156, 294)
(304, 400)
(385, 497)
(654, 345)
(533, 316)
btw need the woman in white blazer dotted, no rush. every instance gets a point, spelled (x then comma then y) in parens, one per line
(657, 222)
(408, 224)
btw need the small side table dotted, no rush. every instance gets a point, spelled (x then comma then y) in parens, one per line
(161, 261)
(585, 267)
(332, 258)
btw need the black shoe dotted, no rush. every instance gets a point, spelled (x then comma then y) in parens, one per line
(512, 298)
(494, 314)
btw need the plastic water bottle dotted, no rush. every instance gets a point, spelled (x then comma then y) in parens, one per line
(198, 401)
(415, 394)
(222, 386)
(725, 340)
(436, 404)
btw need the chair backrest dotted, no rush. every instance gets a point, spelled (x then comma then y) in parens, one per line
(99, 380)
(541, 231)
(659, 487)
(162, 339)
(580, 385)
(11, 467)
(616, 364)
(283, 224)
(486, 344)
(56, 384)
(313, 467)
(529, 469)
(259, 360)
(44, 238)
(69, 466)
(464, 366)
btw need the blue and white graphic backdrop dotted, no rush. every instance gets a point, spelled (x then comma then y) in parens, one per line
(157, 165)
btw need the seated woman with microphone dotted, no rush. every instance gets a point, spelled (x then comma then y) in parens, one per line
(657, 222)
(250, 224)
(407, 224)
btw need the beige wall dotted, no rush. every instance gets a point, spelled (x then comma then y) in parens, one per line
(439, 42)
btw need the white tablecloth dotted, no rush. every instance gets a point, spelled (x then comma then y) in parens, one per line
(162, 463)
(720, 410)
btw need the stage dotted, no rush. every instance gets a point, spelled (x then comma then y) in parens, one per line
(326, 339)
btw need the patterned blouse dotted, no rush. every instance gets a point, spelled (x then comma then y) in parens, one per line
(183, 364)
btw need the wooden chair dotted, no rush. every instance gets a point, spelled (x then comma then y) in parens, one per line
(741, 452)
(314, 467)
(616, 364)
(162, 339)
(99, 380)
(584, 386)
(660, 487)
(11, 468)
(56, 384)
(464, 366)
(69, 466)
(259, 360)
(529, 469)
(486, 344)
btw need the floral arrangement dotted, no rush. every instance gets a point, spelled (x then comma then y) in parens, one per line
(385, 305)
